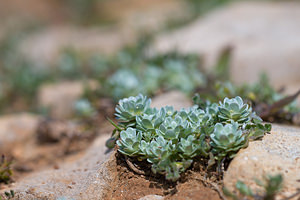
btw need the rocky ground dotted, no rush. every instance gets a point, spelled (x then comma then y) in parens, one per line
(96, 174)
(72, 162)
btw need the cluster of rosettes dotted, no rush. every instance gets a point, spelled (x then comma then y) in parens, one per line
(171, 140)
(133, 74)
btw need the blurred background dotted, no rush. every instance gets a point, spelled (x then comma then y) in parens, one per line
(48, 48)
(54, 53)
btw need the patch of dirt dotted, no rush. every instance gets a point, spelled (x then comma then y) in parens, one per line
(131, 186)
(193, 189)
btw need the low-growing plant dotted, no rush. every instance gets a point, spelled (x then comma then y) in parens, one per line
(83, 108)
(271, 105)
(170, 141)
(134, 73)
(5, 170)
(271, 185)
(8, 195)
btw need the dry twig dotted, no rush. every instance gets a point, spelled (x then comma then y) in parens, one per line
(213, 185)
(133, 167)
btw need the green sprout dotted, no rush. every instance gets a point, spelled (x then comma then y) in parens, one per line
(128, 108)
(8, 195)
(123, 83)
(129, 142)
(234, 110)
(84, 108)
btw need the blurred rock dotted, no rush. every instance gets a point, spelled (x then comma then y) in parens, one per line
(53, 131)
(264, 37)
(144, 15)
(176, 99)
(16, 129)
(60, 97)
(45, 47)
(39, 11)
(278, 152)
(136, 16)
(139, 12)
(18, 139)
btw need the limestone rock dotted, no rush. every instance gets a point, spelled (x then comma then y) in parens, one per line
(60, 97)
(264, 37)
(278, 152)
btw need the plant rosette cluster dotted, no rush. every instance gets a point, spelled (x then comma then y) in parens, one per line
(172, 140)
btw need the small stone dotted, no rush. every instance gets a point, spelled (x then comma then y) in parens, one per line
(152, 197)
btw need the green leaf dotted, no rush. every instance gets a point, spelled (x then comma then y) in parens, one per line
(244, 189)
(110, 143)
(147, 123)
(268, 127)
